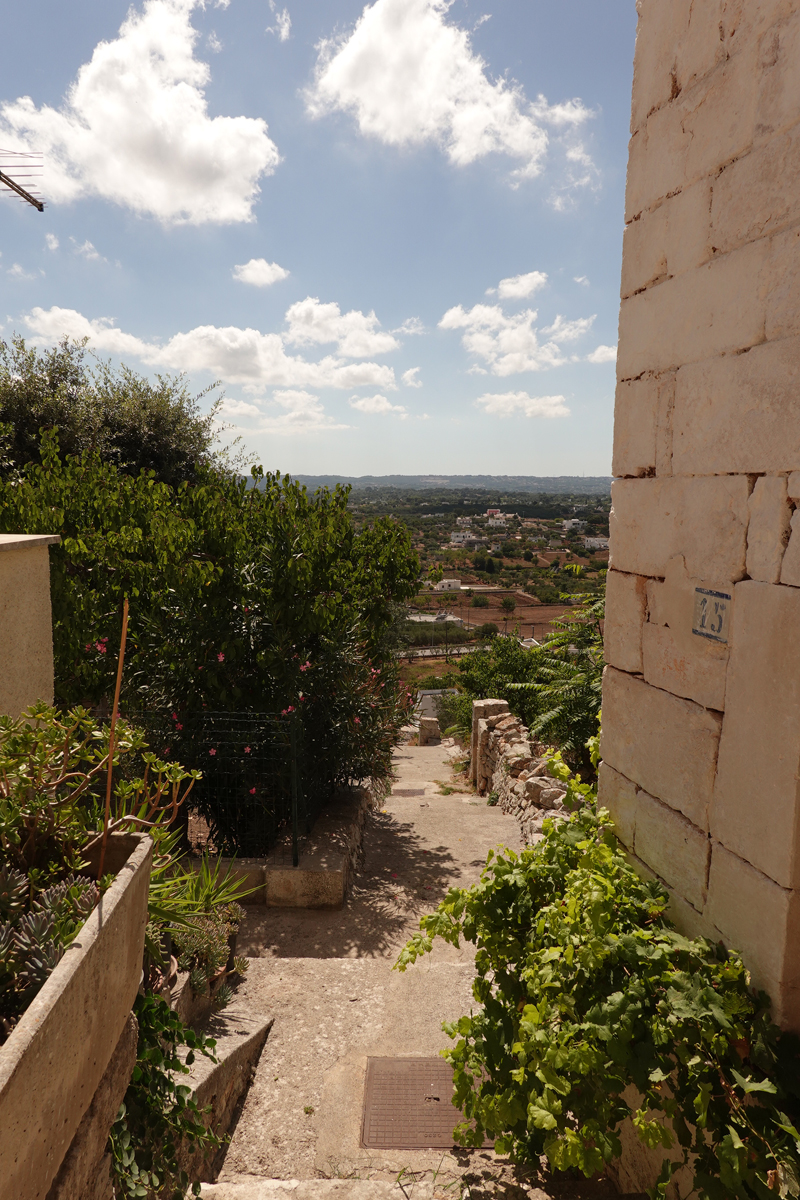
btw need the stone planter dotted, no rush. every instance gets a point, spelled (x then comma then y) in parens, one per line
(54, 1060)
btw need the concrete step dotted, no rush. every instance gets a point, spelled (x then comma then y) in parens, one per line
(251, 1187)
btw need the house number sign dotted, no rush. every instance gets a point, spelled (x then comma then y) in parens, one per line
(712, 611)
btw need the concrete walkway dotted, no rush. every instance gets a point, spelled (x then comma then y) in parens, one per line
(327, 978)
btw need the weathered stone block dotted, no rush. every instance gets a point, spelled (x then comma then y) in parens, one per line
(738, 413)
(635, 417)
(618, 795)
(697, 674)
(675, 657)
(757, 799)
(757, 194)
(708, 124)
(626, 602)
(673, 847)
(704, 519)
(668, 746)
(768, 530)
(779, 83)
(782, 319)
(761, 920)
(643, 425)
(790, 568)
(793, 485)
(667, 240)
(717, 308)
(659, 31)
(26, 627)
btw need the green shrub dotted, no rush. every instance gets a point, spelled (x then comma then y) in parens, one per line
(585, 989)
(479, 602)
(243, 596)
(487, 631)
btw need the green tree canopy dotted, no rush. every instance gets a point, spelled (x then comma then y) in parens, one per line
(128, 421)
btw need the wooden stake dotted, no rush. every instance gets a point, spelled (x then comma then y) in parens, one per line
(114, 712)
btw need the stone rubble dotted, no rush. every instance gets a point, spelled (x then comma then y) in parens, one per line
(509, 763)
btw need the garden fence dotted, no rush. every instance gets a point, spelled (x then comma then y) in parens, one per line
(264, 776)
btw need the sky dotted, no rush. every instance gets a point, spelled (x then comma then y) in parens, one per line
(391, 232)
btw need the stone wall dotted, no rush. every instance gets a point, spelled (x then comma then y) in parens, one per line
(507, 763)
(26, 634)
(701, 700)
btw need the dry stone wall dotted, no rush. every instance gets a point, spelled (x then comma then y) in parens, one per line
(508, 764)
(701, 703)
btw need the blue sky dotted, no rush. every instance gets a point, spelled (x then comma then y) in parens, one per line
(393, 232)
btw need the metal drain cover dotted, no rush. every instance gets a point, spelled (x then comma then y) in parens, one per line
(408, 791)
(408, 1104)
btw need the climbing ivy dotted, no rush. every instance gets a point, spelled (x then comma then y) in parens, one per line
(158, 1115)
(584, 989)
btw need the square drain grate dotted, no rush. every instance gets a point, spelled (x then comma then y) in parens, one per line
(408, 791)
(408, 1104)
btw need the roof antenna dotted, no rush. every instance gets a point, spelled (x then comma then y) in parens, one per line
(24, 166)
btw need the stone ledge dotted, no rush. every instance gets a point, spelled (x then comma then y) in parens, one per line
(329, 858)
(25, 541)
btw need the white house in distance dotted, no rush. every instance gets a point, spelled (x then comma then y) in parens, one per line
(496, 522)
(447, 585)
(462, 537)
(467, 521)
(572, 523)
(595, 543)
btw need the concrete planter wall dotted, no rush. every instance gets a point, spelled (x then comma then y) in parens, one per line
(54, 1060)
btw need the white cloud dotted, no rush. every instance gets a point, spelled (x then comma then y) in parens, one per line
(518, 287)
(603, 354)
(134, 128)
(303, 414)
(52, 241)
(509, 404)
(583, 280)
(409, 378)
(237, 356)
(568, 331)
(240, 408)
(510, 344)
(375, 404)
(259, 272)
(283, 22)
(87, 251)
(411, 326)
(17, 271)
(355, 333)
(409, 77)
(213, 43)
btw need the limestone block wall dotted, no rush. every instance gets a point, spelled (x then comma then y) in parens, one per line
(701, 702)
(26, 633)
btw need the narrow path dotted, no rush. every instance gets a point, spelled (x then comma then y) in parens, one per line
(327, 978)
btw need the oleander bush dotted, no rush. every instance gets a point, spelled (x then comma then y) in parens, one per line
(245, 594)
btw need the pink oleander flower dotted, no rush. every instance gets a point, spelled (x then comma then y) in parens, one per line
(212, 751)
(89, 647)
(285, 711)
(358, 720)
(306, 665)
(174, 716)
(247, 749)
(101, 647)
(252, 791)
(220, 657)
(179, 726)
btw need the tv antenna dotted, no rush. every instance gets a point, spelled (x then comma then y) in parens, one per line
(16, 166)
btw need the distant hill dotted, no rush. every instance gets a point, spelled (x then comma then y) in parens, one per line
(552, 484)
